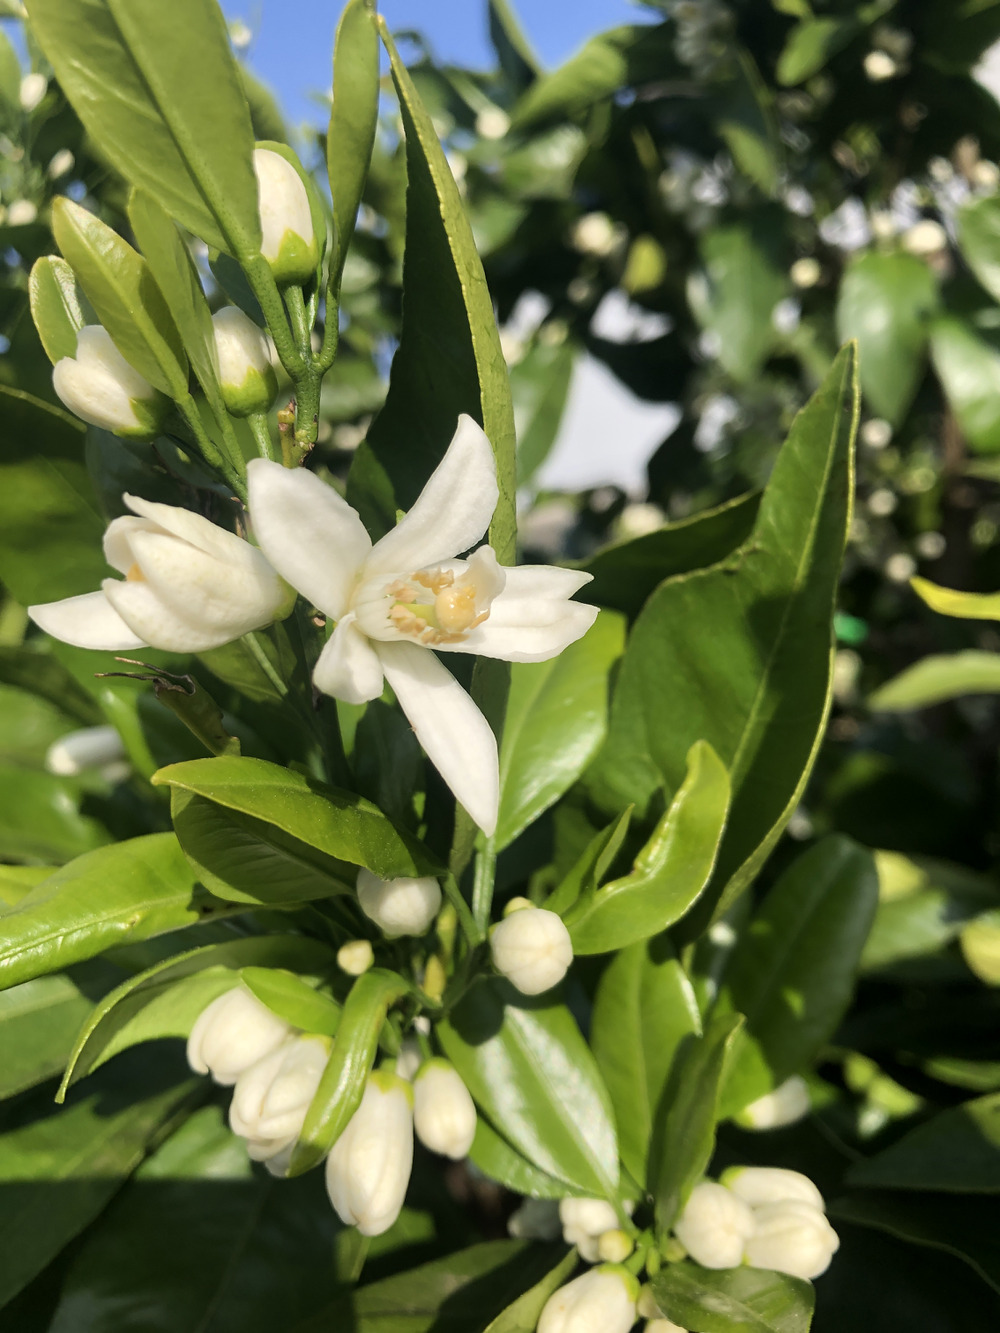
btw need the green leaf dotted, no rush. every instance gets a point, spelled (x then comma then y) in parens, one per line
(353, 118)
(734, 1300)
(591, 866)
(810, 45)
(957, 1151)
(55, 306)
(886, 302)
(556, 721)
(748, 127)
(121, 288)
(684, 1125)
(527, 1065)
(980, 942)
(734, 295)
(496, 1158)
(130, 891)
(937, 678)
(522, 1316)
(968, 367)
(343, 1083)
(644, 1008)
(793, 970)
(39, 1020)
(750, 673)
(540, 386)
(670, 871)
(158, 90)
(951, 602)
(979, 240)
(36, 671)
(293, 999)
(627, 573)
(41, 817)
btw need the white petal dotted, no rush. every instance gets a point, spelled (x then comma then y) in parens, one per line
(348, 667)
(451, 513)
(193, 528)
(560, 624)
(118, 540)
(312, 537)
(538, 581)
(160, 626)
(88, 621)
(456, 736)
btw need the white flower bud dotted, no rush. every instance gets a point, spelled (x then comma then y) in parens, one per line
(535, 1219)
(591, 1216)
(409, 1059)
(271, 1098)
(288, 239)
(492, 122)
(786, 1104)
(595, 234)
(925, 238)
(21, 213)
(876, 433)
(805, 272)
(368, 1169)
(233, 1033)
(757, 1185)
(661, 1325)
(246, 375)
(532, 948)
(879, 66)
(81, 751)
(100, 387)
(646, 1306)
(355, 957)
(33, 89)
(614, 1246)
(586, 1245)
(601, 1301)
(444, 1114)
(715, 1226)
(61, 162)
(791, 1237)
(399, 906)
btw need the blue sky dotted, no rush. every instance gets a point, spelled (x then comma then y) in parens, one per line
(293, 39)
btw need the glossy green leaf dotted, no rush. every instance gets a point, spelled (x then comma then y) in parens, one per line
(527, 1065)
(734, 1300)
(115, 895)
(158, 89)
(41, 817)
(793, 970)
(644, 1008)
(16, 882)
(809, 46)
(55, 306)
(293, 999)
(121, 288)
(343, 1083)
(353, 117)
(591, 866)
(886, 302)
(734, 295)
(522, 1316)
(496, 1158)
(957, 1151)
(539, 384)
(556, 720)
(968, 367)
(979, 240)
(670, 871)
(938, 678)
(951, 602)
(684, 1124)
(750, 672)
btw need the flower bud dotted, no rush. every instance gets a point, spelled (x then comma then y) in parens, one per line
(409, 1059)
(399, 906)
(100, 387)
(591, 1216)
(271, 1098)
(246, 375)
(84, 750)
(444, 1114)
(368, 1169)
(288, 240)
(233, 1033)
(355, 957)
(601, 1301)
(786, 1104)
(661, 1325)
(791, 1237)
(33, 88)
(22, 213)
(532, 948)
(714, 1226)
(614, 1246)
(757, 1185)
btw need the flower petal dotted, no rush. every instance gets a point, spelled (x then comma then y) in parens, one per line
(312, 536)
(348, 667)
(534, 581)
(160, 625)
(457, 738)
(514, 635)
(88, 621)
(193, 528)
(451, 513)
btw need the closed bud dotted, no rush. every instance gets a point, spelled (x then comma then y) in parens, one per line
(271, 1098)
(33, 88)
(791, 1237)
(288, 241)
(786, 1104)
(100, 387)
(368, 1169)
(614, 1246)
(247, 378)
(85, 750)
(233, 1033)
(355, 957)
(591, 1216)
(757, 1185)
(601, 1301)
(715, 1226)
(532, 948)
(444, 1114)
(663, 1326)
(399, 906)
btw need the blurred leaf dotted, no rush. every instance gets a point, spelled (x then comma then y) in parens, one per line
(955, 35)
(37, 672)
(810, 44)
(937, 678)
(979, 240)
(55, 306)
(963, 605)
(980, 941)
(41, 817)
(353, 118)
(497, 1159)
(734, 1300)
(540, 386)
(522, 1316)
(748, 126)
(517, 59)
(734, 295)
(957, 1151)
(968, 367)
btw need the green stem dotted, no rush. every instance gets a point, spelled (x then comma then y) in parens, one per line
(454, 895)
(209, 450)
(307, 409)
(265, 663)
(295, 304)
(262, 434)
(261, 280)
(482, 884)
(331, 335)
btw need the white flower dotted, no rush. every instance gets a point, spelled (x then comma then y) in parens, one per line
(188, 586)
(355, 957)
(288, 240)
(444, 1114)
(88, 748)
(786, 1104)
(757, 1185)
(532, 949)
(595, 234)
(791, 1237)
(715, 1226)
(233, 1033)
(271, 1098)
(407, 595)
(404, 906)
(926, 237)
(368, 1169)
(100, 387)
(246, 375)
(21, 213)
(601, 1301)
(33, 89)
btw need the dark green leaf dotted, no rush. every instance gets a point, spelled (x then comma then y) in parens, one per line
(32, 669)
(734, 1300)
(809, 46)
(957, 1151)
(517, 60)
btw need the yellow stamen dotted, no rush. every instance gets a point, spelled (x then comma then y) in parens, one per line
(135, 575)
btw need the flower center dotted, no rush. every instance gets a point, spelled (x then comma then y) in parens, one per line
(435, 607)
(135, 574)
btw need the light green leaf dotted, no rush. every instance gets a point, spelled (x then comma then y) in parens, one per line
(748, 126)
(496, 1158)
(957, 1151)
(979, 240)
(809, 46)
(539, 384)
(294, 999)
(937, 678)
(41, 817)
(522, 1316)
(980, 942)
(734, 295)
(968, 367)
(951, 602)
(29, 667)
(55, 306)
(734, 1300)
(353, 118)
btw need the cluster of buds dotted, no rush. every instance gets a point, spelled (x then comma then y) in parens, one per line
(765, 1217)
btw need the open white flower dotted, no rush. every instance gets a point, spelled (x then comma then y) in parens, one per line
(403, 597)
(189, 586)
